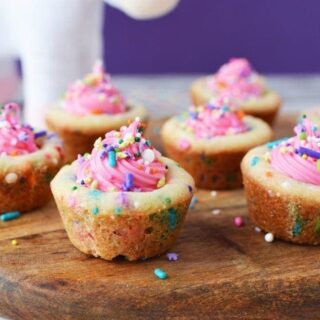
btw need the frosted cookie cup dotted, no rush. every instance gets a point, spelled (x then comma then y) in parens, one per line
(90, 108)
(238, 79)
(124, 199)
(282, 188)
(29, 159)
(211, 141)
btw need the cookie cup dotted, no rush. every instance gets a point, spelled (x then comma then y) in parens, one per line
(25, 180)
(278, 204)
(264, 107)
(79, 133)
(213, 163)
(135, 225)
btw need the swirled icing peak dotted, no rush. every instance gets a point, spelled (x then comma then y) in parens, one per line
(16, 138)
(95, 94)
(123, 161)
(217, 118)
(298, 157)
(238, 79)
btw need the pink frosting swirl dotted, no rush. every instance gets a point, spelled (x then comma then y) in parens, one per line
(215, 119)
(94, 95)
(238, 79)
(123, 161)
(15, 138)
(299, 157)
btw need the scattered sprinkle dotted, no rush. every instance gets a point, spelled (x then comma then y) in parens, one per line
(238, 221)
(172, 256)
(95, 211)
(216, 211)
(74, 188)
(269, 237)
(11, 177)
(214, 193)
(269, 174)
(194, 201)
(10, 215)
(128, 181)
(257, 229)
(254, 161)
(14, 242)
(160, 274)
(112, 158)
(117, 211)
(172, 218)
(148, 155)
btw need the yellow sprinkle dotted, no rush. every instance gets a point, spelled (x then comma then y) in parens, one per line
(94, 184)
(121, 155)
(14, 242)
(98, 143)
(161, 182)
(87, 180)
(267, 156)
(304, 156)
(283, 149)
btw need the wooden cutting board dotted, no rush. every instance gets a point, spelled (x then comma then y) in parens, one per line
(223, 272)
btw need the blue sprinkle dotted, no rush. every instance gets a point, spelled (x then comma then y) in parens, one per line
(112, 158)
(193, 202)
(95, 211)
(129, 181)
(160, 274)
(95, 193)
(10, 215)
(172, 218)
(275, 143)
(117, 211)
(40, 134)
(190, 188)
(254, 161)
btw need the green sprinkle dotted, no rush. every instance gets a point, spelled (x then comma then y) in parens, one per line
(74, 188)
(318, 165)
(167, 200)
(317, 228)
(48, 177)
(117, 211)
(137, 139)
(120, 141)
(302, 136)
(95, 211)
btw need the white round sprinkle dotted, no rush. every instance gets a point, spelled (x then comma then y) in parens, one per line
(269, 237)
(216, 211)
(11, 177)
(214, 193)
(148, 155)
(136, 204)
(285, 184)
(257, 229)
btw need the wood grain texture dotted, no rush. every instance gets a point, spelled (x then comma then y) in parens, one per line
(223, 272)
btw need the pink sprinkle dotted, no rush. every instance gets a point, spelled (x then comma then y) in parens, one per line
(184, 144)
(171, 256)
(72, 202)
(238, 221)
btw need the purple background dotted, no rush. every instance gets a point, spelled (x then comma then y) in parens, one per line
(277, 36)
